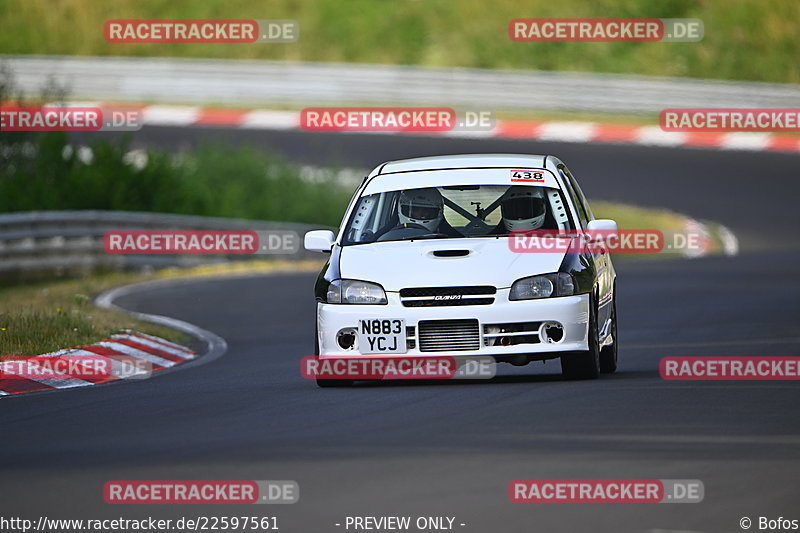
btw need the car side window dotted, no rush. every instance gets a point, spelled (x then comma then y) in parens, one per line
(579, 192)
(568, 183)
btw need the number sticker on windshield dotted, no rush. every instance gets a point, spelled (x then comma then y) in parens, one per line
(530, 176)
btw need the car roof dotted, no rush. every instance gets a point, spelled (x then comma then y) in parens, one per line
(460, 161)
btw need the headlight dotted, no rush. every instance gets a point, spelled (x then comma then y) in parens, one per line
(545, 286)
(352, 291)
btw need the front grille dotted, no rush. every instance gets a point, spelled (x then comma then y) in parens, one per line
(437, 291)
(447, 296)
(448, 335)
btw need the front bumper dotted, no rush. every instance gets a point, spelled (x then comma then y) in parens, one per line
(571, 312)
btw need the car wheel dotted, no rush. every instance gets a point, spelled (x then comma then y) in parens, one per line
(608, 353)
(584, 365)
(325, 383)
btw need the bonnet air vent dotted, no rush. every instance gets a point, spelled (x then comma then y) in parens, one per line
(450, 253)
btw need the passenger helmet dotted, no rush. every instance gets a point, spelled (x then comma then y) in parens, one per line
(523, 208)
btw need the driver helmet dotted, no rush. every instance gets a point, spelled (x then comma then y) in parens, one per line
(523, 208)
(421, 206)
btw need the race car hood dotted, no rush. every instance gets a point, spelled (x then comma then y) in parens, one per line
(443, 263)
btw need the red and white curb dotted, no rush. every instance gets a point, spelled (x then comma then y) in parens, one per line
(557, 131)
(729, 242)
(157, 352)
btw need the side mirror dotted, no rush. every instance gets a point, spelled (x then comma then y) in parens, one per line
(320, 240)
(602, 224)
(599, 230)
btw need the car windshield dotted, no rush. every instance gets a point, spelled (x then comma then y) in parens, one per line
(456, 212)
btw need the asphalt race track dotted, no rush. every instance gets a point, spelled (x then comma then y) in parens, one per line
(451, 449)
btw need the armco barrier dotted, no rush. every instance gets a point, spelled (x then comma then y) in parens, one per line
(59, 242)
(251, 83)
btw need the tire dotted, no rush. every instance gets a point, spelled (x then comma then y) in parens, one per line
(328, 383)
(584, 365)
(608, 353)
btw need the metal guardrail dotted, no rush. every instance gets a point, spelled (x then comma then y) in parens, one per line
(256, 83)
(61, 242)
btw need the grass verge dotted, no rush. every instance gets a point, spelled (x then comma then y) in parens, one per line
(633, 217)
(44, 317)
(744, 39)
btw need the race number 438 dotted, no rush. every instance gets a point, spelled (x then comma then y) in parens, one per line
(531, 176)
(382, 336)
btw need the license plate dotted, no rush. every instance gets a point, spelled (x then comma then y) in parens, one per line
(381, 335)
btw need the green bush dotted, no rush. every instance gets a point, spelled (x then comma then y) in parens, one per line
(45, 172)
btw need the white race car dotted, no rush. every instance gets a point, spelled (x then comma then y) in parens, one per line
(423, 266)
